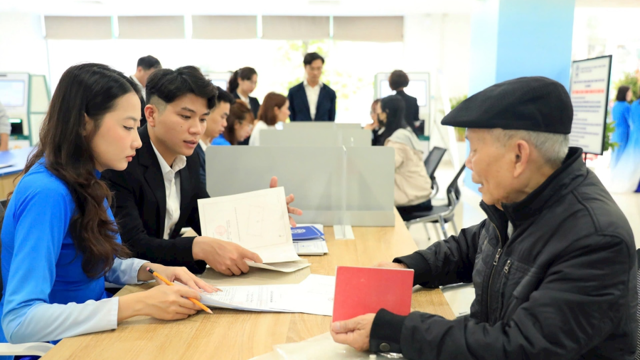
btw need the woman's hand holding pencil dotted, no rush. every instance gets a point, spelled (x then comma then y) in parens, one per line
(193, 299)
(165, 302)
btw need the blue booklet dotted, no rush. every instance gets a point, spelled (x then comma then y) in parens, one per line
(306, 233)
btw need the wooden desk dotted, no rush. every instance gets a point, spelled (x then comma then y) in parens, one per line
(229, 334)
(8, 175)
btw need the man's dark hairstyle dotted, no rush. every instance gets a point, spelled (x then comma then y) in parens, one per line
(149, 62)
(311, 57)
(168, 85)
(224, 96)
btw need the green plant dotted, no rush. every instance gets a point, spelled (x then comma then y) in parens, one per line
(455, 101)
(608, 131)
(630, 80)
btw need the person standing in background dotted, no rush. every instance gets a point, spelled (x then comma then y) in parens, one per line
(620, 115)
(145, 67)
(398, 80)
(311, 100)
(5, 129)
(626, 171)
(239, 125)
(275, 109)
(241, 85)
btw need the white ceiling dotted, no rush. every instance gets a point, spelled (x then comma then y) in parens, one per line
(242, 7)
(261, 7)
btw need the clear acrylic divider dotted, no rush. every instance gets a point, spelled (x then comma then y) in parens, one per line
(342, 226)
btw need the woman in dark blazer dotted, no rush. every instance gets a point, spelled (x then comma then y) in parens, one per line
(241, 85)
(398, 80)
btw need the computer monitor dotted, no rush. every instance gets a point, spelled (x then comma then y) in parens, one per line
(12, 93)
(417, 88)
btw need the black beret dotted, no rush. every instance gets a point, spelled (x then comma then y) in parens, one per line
(527, 103)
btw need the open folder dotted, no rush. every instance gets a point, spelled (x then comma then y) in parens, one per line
(257, 221)
(361, 290)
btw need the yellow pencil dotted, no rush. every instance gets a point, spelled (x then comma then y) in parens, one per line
(171, 284)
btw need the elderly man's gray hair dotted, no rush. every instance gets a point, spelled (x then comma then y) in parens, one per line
(552, 147)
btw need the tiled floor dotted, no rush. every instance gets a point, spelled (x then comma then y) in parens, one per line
(469, 213)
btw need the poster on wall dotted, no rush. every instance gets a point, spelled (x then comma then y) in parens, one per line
(589, 91)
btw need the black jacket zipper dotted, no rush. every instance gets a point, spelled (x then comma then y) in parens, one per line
(493, 267)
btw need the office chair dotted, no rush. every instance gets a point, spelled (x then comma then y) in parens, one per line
(439, 214)
(26, 349)
(638, 311)
(431, 164)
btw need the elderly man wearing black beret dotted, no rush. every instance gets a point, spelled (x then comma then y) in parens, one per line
(554, 263)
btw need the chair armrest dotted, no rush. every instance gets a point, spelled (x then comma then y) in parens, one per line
(435, 190)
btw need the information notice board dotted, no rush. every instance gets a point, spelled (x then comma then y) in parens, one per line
(589, 91)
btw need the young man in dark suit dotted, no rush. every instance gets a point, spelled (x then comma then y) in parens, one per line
(156, 196)
(312, 100)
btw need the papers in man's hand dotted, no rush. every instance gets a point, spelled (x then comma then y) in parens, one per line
(311, 245)
(314, 295)
(257, 220)
(290, 266)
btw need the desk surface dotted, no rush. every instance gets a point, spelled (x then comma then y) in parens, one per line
(229, 334)
(17, 159)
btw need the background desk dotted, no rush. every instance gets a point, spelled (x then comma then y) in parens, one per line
(17, 159)
(242, 335)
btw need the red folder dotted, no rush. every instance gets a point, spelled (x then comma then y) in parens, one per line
(361, 290)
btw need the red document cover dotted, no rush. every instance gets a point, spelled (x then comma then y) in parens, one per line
(362, 290)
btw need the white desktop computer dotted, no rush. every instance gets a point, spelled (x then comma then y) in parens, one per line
(26, 99)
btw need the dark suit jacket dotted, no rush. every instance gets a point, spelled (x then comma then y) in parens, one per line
(140, 206)
(299, 104)
(411, 107)
(254, 104)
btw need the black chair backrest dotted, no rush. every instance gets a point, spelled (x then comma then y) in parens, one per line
(638, 310)
(453, 189)
(433, 160)
(1, 221)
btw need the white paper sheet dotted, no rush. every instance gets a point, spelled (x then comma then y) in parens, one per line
(312, 296)
(290, 266)
(459, 298)
(311, 247)
(256, 220)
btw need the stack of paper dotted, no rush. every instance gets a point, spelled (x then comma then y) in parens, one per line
(314, 295)
(309, 240)
(258, 221)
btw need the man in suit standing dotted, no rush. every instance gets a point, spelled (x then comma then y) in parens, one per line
(145, 67)
(156, 196)
(312, 100)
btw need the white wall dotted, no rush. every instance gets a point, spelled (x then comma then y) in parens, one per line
(439, 44)
(22, 46)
